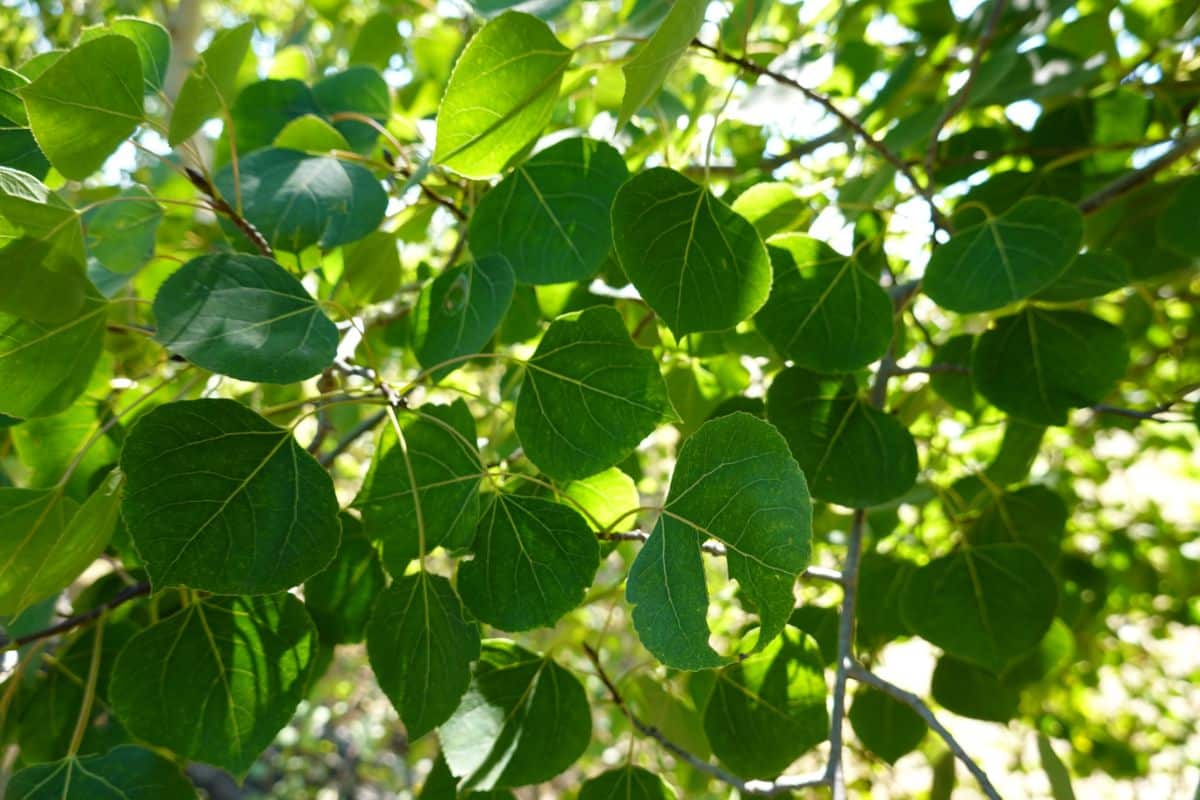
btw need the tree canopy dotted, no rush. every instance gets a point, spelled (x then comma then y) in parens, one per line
(648, 398)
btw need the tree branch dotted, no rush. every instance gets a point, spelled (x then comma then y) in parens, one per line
(833, 770)
(717, 549)
(218, 205)
(846, 120)
(862, 675)
(963, 94)
(1132, 180)
(119, 599)
(352, 436)
(756, 788)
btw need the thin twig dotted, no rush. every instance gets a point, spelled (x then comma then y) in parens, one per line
(862, 675)
(755, 788)
(1151, 414)
(1132, 180)
(963, 94)
(219, 206)
(119, 599)
(932, 369)
(845, 657)
(846, 120)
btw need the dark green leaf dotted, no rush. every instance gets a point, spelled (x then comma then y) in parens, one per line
(221, 500)
(246, 317)
(153, 46)
(886, 726)
(881, 581)
(698, 264)
(217, 680)
(767, 710)
(523, 720)
(445, 467)
(852, 454)
(1034, 515)
(297, 200)
(972, 692)
(736, 483)
(825, 313)
(500, 96)
(86, 104)
(421, 647)
(358, 90)
(1005, 258)
(626, 783)
(128, 772)
(956, 387)
(986, 604)
(340, 598)
(549, 219)
(1177, 228)
(1037, 365)
(533, 562)
(590, 395)
(459, 311)
(1089, 275)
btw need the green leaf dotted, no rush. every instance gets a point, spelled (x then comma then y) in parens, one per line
(549, 219)
(216, 681)
(1038, 364)
(1056, 772)
(533, 562)
(1089, 275)
(459, 311)
(41, 244)
(626, 783)
(211, 84)
(86, 103)
(881, 581)
(821, 623)
(1052, 655)
(734, 482)
(500, 96)
(446, 469)
(262, 110)
(44, 366)
(153, 46)
(986, 605)
(589, 396)
(421, 647)
(886, 726)
(825, 313)
(51, 555)
(1019, 448)
(1005, 258)
(359, 90)
(652, 62)
(372, 268)
(1035, 516)
(246, 317)
(854, 455)
(1177, 227)
(956, 388)
(311, 134)
(772, 207)
(769, 709)
(698, 264)
(340, 598)
(48, 446)
(32, 523)
(523, 720)
(971, 691)
(127, 772)
(221, 500)
(297, 200)
(121, 232)
(377, 41)
(604, 499)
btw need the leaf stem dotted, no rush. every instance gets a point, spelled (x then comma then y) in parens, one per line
(89, 691)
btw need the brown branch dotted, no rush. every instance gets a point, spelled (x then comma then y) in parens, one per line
(846, 120)
(962, 95)
(1132, 180)
(442, 201)
(756, 788)
(219, 206)
(119, 599)
(862, 675)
